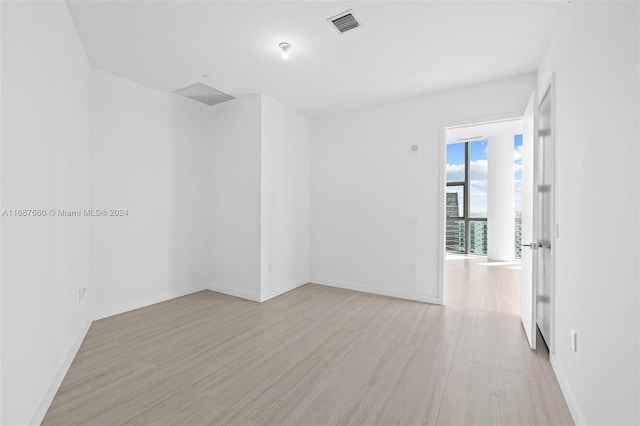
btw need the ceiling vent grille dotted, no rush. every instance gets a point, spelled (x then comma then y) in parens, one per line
(345, 21)
(204, 94)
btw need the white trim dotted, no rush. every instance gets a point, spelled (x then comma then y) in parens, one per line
(533, 321)
(485, 130)
(234, 292)
(38, 416)
(44, 405)
(554, 217)
(570, 399)
(441, 242)
(498, 118)
(280, 291)
(126, 307)
(381, 292)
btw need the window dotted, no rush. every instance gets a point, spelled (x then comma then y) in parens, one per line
(467, 197)
(517, 198)
(466, 203)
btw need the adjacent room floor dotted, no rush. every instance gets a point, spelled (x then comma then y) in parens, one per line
(318, 356)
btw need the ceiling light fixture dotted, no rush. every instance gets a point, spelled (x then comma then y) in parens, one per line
(284, 46)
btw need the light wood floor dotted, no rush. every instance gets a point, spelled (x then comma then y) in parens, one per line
(317, 356)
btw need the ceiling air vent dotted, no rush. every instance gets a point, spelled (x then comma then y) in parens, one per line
(345, 21)
(203, 93)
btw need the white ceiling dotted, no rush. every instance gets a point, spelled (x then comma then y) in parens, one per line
(404, 49)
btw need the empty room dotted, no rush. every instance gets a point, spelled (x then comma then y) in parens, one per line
(319, 212)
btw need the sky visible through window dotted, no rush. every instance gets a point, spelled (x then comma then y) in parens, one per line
(478, 174)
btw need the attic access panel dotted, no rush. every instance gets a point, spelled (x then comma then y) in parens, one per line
(204, 94)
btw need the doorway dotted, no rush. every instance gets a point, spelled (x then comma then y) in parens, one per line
(483, 196)
(483, 214)
(532, 234)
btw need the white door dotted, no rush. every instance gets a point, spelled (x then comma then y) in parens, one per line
(544, 228)
(527, 289)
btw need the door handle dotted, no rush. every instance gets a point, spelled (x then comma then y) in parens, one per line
(537, 245)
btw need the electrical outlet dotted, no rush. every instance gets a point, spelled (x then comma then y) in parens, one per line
(81, 294)
(413, 220)
(270, 267)
(574, 340)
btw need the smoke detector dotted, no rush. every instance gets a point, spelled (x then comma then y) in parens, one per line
(345, 21)
(204, 94)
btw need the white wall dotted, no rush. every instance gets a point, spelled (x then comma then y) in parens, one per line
(45, 157)
(594, 54)
(214, 195)
(234, 223)
(149, 156)
(285, 198)
(188, 175)
(365, 184)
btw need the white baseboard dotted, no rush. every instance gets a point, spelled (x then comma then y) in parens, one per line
(381, 292)
(62, 372)
(141, 303)
(574, 409)
(235, 292)
(279, 291)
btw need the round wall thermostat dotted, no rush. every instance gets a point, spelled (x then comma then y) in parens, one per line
(414, 148)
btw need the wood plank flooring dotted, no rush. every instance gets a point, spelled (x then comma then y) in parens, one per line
(317, 356)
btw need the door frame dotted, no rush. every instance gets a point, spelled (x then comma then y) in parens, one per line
(441, 248)
(549, 90)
